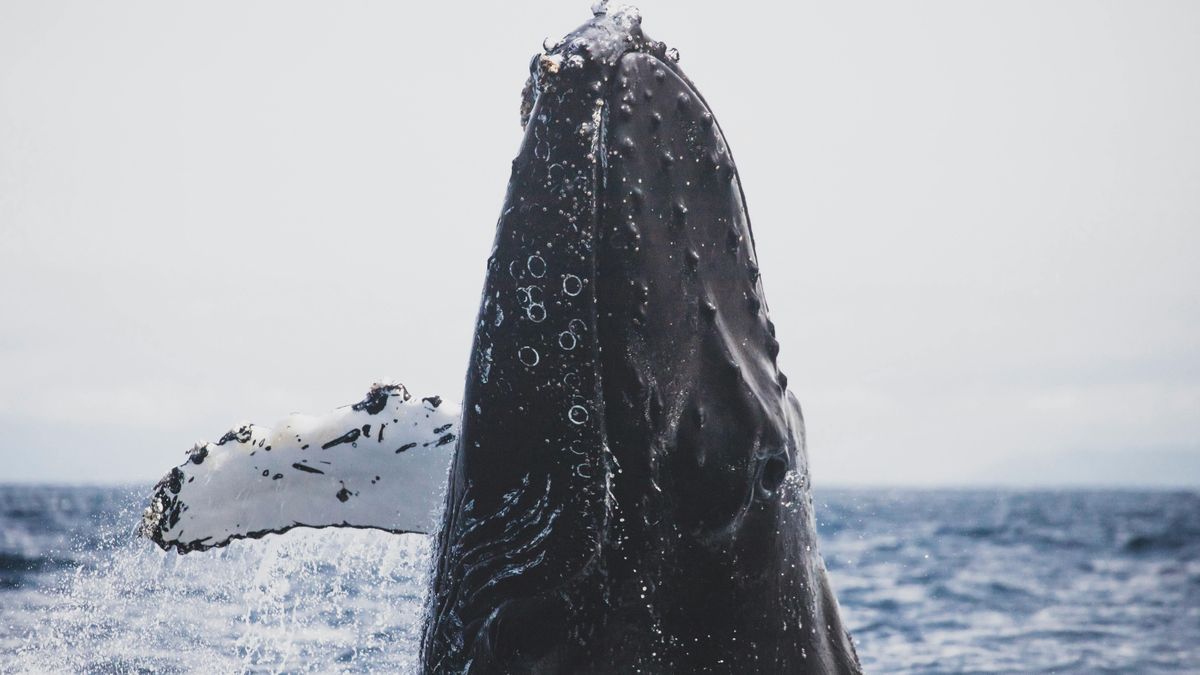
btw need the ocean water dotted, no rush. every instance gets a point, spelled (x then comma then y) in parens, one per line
(929, 582)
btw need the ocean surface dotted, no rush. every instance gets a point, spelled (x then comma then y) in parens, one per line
(929, 581)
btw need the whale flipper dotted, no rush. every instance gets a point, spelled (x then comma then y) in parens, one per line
(380, 463)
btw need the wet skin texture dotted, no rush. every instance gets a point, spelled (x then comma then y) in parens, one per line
(630, 491)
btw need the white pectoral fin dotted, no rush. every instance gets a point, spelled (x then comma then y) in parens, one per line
(380, 463)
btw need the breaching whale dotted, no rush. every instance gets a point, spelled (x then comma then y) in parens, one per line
(628, 489)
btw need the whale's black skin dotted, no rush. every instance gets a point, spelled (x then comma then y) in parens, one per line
(630, 491)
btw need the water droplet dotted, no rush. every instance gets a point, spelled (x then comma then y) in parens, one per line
(536, 265)
(577, 414)
(529, 356)
(515, 271)
(536, 312)
(637, 198)
(567, 340)
(679, 213)
(572, 286)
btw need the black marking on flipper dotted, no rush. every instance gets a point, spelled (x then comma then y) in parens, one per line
(348, 437)
(198, 454)
(377, 398)
(308, 469)
(184, 547)
(374, 403)
(406, 446)
(434, 401)
(175, 480)
(241, 435)
(445, 440)
(343, 495)
(380, 439)
(443, 428)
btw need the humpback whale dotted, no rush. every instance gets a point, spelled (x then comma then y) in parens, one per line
(627, 486)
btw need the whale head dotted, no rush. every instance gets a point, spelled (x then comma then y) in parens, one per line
(630, 489)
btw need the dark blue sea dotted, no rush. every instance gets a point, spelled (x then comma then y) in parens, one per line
(943, 581)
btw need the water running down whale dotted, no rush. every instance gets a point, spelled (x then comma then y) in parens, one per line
(628, 491)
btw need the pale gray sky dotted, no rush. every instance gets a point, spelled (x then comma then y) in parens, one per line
(978, 222)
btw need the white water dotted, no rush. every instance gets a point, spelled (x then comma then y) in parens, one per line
(304, 601)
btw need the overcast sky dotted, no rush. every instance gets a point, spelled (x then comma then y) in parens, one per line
(978, 222)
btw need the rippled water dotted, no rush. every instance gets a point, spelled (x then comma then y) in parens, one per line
(929, 581)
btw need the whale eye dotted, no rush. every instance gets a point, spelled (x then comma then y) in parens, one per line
(774, 472)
